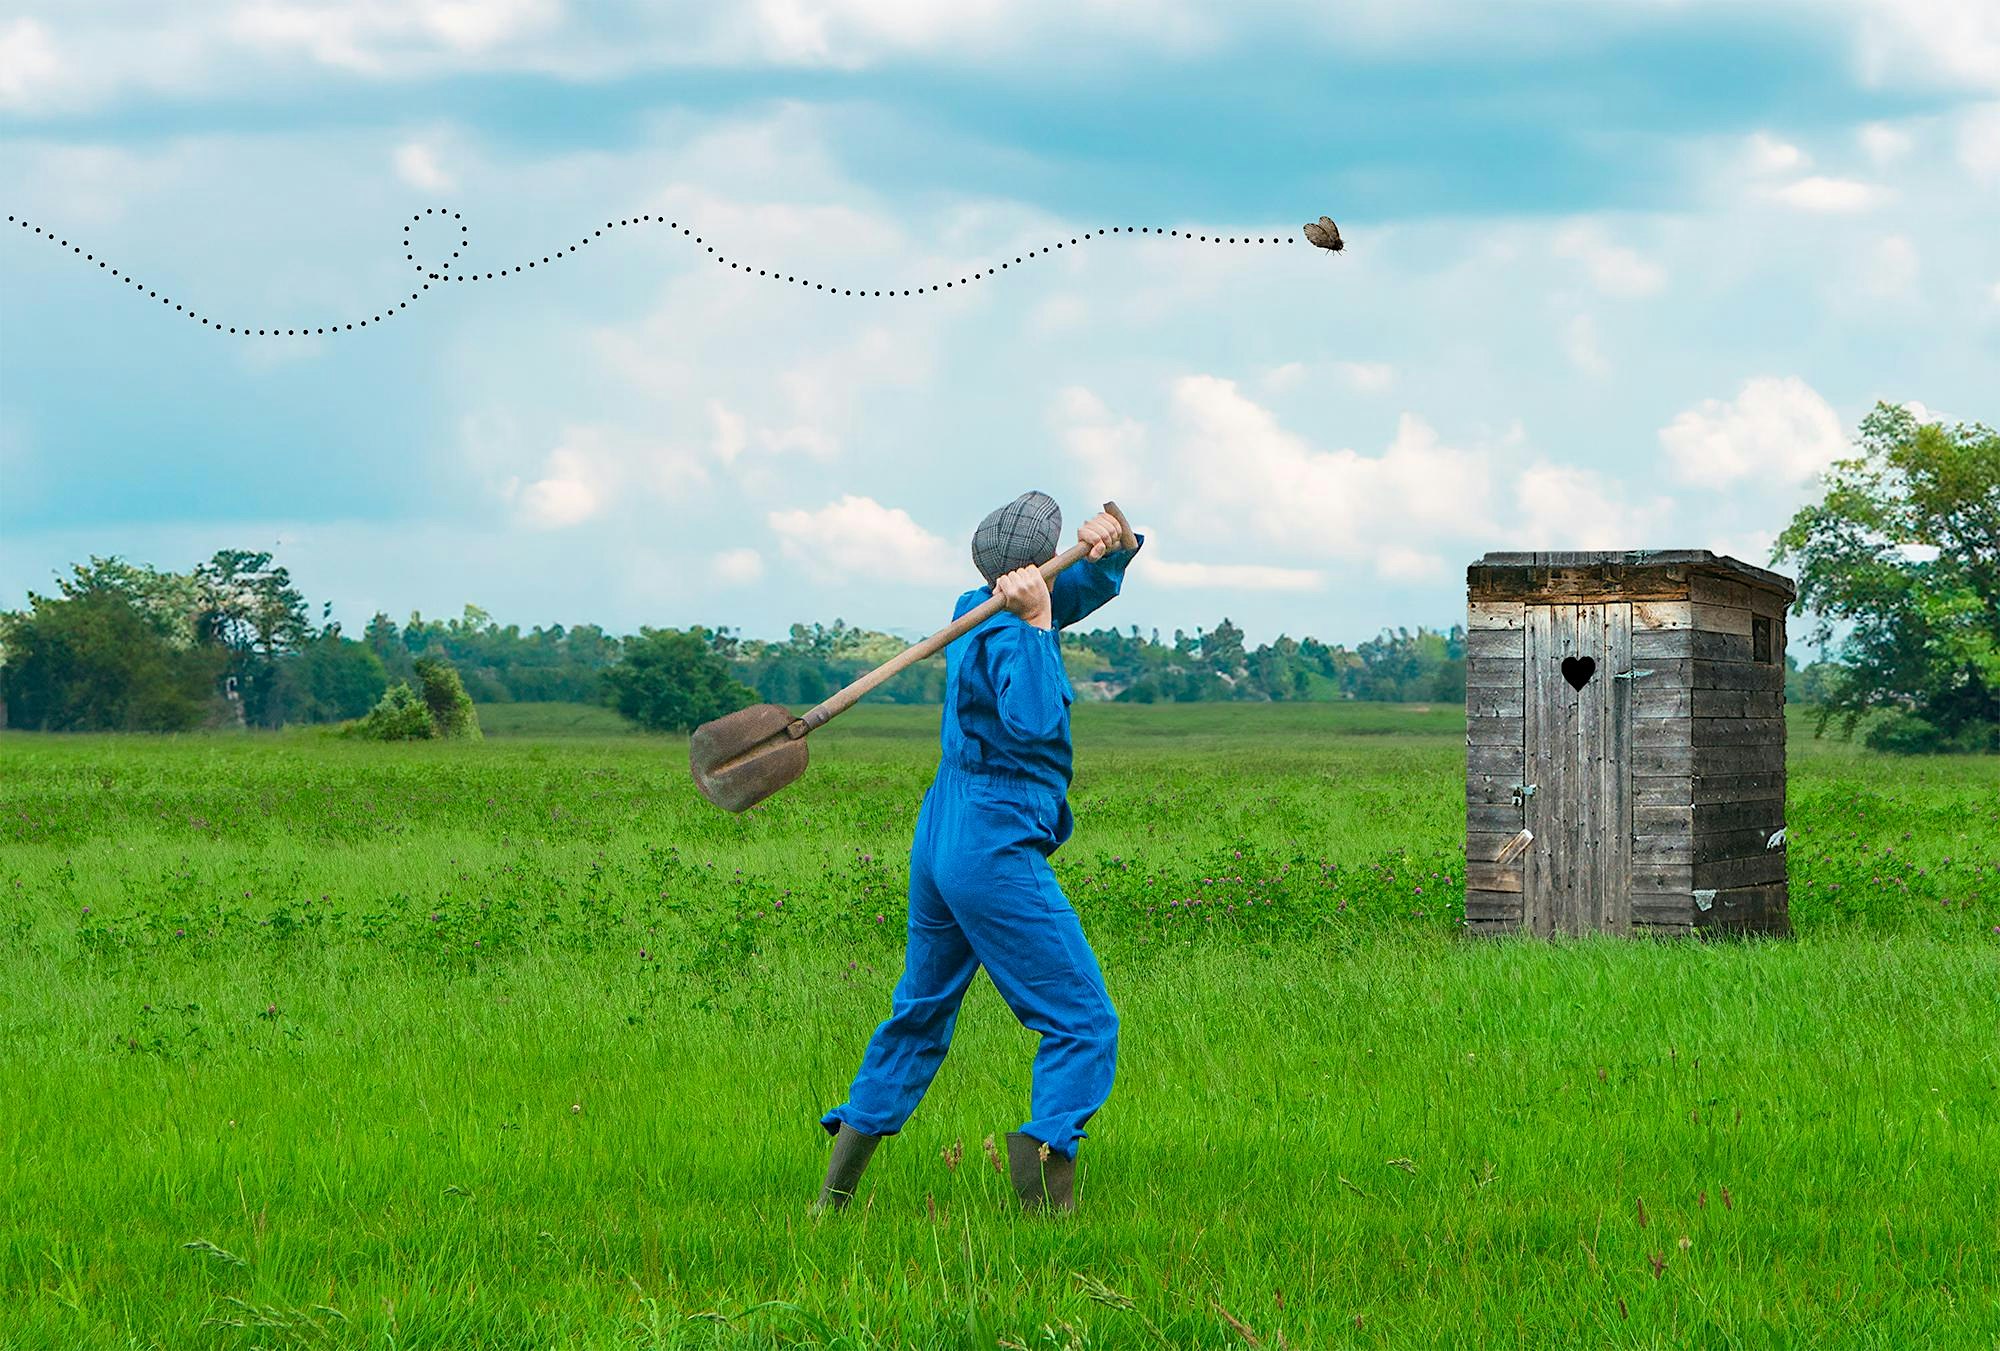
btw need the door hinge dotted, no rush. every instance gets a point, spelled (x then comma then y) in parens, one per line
(1705, 899)
(1632, 675)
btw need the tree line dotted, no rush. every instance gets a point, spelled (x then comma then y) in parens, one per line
(1899, 563)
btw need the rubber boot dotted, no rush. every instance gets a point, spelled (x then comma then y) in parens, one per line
(851, 1152)
(1042, 1184)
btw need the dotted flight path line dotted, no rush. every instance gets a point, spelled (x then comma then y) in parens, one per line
(443, 273)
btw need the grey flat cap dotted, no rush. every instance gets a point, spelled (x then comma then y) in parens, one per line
(1022, 533)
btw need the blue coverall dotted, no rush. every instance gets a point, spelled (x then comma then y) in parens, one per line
(981, 889)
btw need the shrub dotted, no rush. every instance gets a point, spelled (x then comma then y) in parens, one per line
(402, 715)
(450, 706)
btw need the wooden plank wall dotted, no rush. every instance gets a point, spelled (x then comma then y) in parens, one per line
(1494, 719)
(1739, 722)
(1709, 765)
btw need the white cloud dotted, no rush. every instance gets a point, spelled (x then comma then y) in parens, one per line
(859, 537)
(1370, 377)
(1884, 143)
(1614, 270)
(1234, 576)
(1105, 447)
(31, 72)
(1236, 464)
(1979, 141)
(1567, 507)
(1286, 376)
(380, 36)
(1930, 41)
(737, 566)
(417, 165)
(592, 468)
(1767, 154)
(1400, 563)
(730, 431)
(1832, 194)
(1580, 342)
(1776, 429)
(571, 490)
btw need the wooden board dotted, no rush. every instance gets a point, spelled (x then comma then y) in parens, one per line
(1753, 909)
(1507, 643)
(1663, 907)
(1691, 563)
(1493, 731)
(1502, 818)
(1756, 870)
(1494, 701)
(1664, 790)
(1493, 614)
(1495, 760)
(1662, 614)
(1700, 644)
(1737, 731)
(1493, 672)
(1710, 590)
(1722, 619)
(1484, 876)
(1491, 905)
(1735, 675)
(1708, 760)
(1714, 703)
(1652, 700)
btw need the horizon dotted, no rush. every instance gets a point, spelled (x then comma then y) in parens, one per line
(1614, 278)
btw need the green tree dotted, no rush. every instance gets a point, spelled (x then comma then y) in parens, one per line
(330, 679)
(94, 661)
(674, 680)
(1903, 552)
(251, 608)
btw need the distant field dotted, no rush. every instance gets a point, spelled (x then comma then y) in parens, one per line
(315, 1043)
(553, 719)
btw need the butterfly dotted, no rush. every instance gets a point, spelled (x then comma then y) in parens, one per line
(1324, 233)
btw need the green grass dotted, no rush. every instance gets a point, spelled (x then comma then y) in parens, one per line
(554, 720)
(494, 1045)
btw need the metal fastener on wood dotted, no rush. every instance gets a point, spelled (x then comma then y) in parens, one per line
(1631, 675)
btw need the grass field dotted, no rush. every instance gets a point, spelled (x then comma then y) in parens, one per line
(518, 1044)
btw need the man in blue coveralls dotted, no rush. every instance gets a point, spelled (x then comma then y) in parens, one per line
(981, 889)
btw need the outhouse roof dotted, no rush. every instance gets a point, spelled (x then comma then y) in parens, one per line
(1525, 570)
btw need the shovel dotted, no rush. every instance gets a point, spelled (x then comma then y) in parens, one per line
(742, 758)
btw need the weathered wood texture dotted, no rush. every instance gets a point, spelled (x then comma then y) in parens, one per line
(1659, 784)
(1576, 877)
(1752, 909)
(1697, 573)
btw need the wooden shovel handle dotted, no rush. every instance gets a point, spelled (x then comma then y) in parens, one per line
(843, 699)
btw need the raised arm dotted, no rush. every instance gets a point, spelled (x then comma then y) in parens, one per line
(1085, 585)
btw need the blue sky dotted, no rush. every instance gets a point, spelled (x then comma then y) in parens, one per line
(1619, 276)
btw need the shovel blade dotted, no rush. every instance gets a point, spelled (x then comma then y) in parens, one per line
(742, 758)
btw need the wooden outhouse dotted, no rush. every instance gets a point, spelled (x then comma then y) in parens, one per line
(1625, 743)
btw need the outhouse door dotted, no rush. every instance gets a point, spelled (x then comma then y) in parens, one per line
(1577, 874)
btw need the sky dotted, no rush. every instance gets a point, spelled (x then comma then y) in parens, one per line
(1618, 276)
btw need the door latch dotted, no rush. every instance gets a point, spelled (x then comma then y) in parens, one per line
(1522, 792)
(1632, 675)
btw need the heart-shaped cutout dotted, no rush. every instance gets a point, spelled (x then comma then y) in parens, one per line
(1578, 671)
